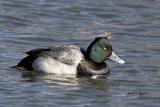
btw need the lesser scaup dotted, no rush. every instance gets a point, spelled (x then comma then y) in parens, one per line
(71, 59)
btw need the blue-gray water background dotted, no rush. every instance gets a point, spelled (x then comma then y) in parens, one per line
(29, 24)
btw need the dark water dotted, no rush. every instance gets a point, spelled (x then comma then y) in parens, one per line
(28, 24)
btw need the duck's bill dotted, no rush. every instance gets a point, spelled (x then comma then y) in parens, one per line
(115, 58)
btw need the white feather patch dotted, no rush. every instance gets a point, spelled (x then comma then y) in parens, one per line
(50, 65)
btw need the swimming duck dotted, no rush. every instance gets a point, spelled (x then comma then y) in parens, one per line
(71, 59)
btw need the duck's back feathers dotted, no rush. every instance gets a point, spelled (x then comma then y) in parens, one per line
(69, 55)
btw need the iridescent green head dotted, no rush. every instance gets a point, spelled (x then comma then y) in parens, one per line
(99, 50)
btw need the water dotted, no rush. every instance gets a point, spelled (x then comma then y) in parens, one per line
(29, 24)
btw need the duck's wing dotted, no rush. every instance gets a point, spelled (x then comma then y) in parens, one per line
(37, 51)
(69, 54)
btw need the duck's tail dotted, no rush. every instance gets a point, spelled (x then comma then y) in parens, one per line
(25, 63)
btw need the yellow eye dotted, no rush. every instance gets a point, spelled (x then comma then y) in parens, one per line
(105, 48)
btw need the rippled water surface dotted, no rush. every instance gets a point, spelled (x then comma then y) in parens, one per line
(135, 25)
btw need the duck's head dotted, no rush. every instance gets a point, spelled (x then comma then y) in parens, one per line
(101, 49)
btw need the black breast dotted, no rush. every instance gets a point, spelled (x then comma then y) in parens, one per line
(87, 67)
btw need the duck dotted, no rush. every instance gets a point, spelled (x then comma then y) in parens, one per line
(71, 59)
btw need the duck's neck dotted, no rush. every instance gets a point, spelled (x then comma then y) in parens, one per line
(88, 67)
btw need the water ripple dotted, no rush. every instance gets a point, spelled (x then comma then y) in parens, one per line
(28, 24)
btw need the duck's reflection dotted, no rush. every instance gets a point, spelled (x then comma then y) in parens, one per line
(67, 80)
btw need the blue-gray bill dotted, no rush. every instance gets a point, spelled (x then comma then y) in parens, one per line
(115, 58)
